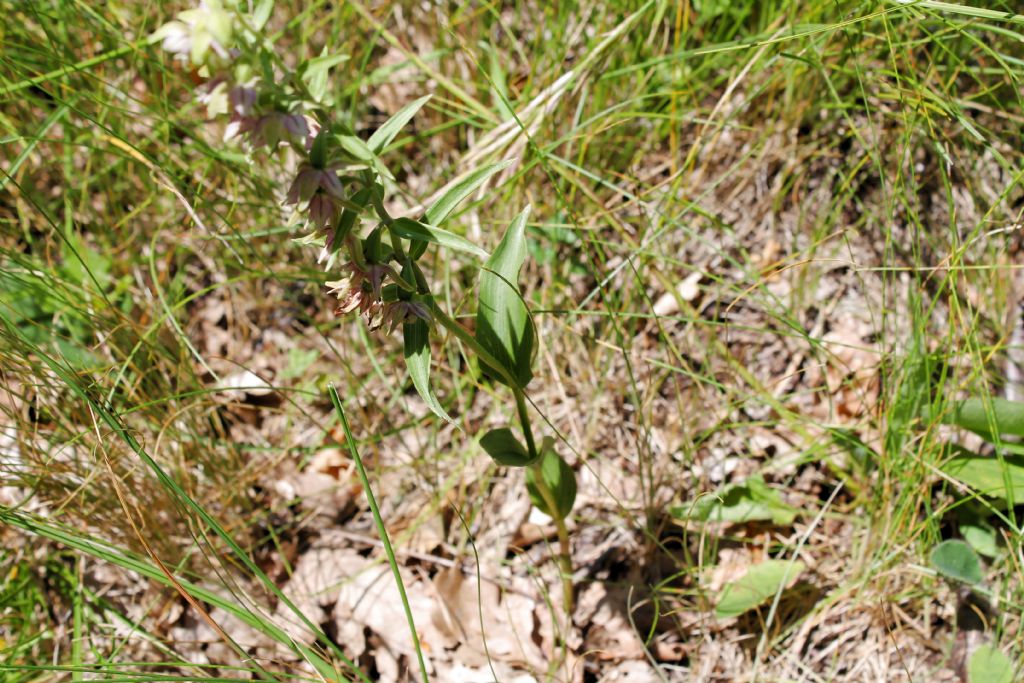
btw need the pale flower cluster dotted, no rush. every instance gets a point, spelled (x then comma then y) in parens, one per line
(266, 116)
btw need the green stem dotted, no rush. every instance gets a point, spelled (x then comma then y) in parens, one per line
(524, 420)
(387, 220)
(396, 241)
(564, 557)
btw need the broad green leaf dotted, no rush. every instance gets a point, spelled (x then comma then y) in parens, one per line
(982, 537)
(383, 136)
(560, 480)
(75, 354)
(444, 205)
(1012, 448)
(417, 359)
(750, 501)
(82, 264)
(502, 445)
(761, 583)
(987, 475)
(989, 665)
(421, 232)
(503, 324)
(956, 560)
(980, 416)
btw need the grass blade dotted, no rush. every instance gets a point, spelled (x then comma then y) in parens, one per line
(381, 529)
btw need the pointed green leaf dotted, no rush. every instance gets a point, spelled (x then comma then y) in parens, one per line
(316, 72)
(980, 415)
(446, 203)
(503, 324)
(347, 221)
(989, 665)
(987, 475)
(560, 480)
(760, 584)
(261, 14)
(421, 232)
(356, 148)
(956, 560)
(502, 445)
(417, 359)
(383, 136)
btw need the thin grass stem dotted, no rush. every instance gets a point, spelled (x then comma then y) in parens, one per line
(381, 529)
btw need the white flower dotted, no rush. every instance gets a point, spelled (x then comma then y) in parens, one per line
(361, 289)
(214, 94)
(195, 32)
(270, 129)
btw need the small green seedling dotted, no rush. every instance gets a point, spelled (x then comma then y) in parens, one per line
(990, 484)
(751, 501)
(957, 560)
(761, 583)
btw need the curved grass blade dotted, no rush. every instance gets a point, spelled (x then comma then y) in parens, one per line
(108, 552)
(421, 232)
(113, 420)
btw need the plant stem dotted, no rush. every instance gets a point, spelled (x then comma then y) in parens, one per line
(564, 557)
(524, 420)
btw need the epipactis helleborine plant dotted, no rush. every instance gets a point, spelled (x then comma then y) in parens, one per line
(338, 194)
